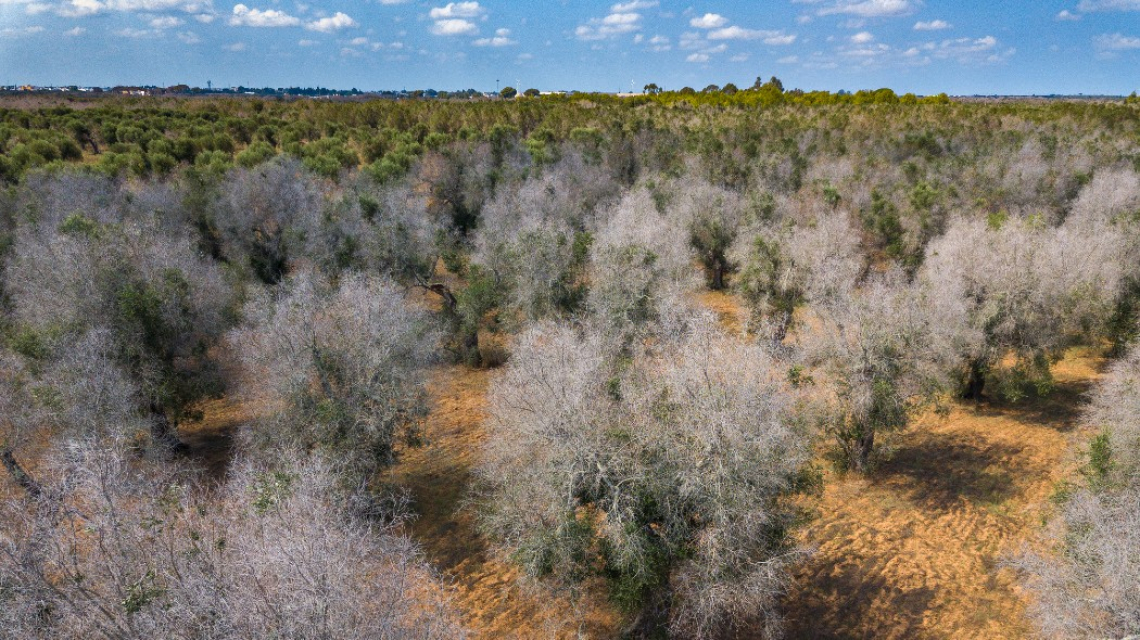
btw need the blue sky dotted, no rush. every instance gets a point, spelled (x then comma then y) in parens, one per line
(924, 46)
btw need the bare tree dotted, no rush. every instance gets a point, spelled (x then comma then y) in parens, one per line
(138, 553)
(258, 215)
(879, 360)
(131, 276)
(340, 366)
(786, 267)
(1027, 289)
(663, 472)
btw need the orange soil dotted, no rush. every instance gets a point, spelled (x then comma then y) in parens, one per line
(914, 550)
(439, 476)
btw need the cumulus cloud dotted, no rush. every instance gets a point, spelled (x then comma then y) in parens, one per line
(1067, 15)
(709, 21)
(1116, 42)
(697, 57)
(870, 8)
(77, 31)
(12, 32)
(165, 22)
(863, 37)
(332, 23)
(454, 27)
(740, 33)
(614, 24)
(502, 39)
(933, 25)
(457, 10)
(1089, 6)
(454, 18)
(635, 5)
(80, 8)
(243, 16)
(189, 37)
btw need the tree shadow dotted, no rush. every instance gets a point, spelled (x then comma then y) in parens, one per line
(1060, 410)
(845, 603)
(941, 469)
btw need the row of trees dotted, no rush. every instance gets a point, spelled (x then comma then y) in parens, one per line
(632, 439)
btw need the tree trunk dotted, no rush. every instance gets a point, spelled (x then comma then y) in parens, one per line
(26, 482)
(718, 274)
(471, 348)
(976, 382)
(864, 446)
(163, 432)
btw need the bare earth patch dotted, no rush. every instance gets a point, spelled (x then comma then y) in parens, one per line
(913, 551)
(439, 476)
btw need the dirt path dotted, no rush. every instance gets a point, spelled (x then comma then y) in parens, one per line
(439, 475)
(913, 551)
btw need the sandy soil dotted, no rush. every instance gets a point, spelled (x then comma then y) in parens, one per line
(439, 476)
(914, 550)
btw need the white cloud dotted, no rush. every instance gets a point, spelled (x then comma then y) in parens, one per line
(77, 31)
(134, 33)
(635, 5)
(497, 41)
(79, 8)
(863, 37)
(204, 18)
(22, 31)
(166, 22)
(1108, 5)
(740, 57)
(697, 57)
(1067, 15)
(788, 60)
(457, 10)
(189, 37)
(614, 24)
(502, 39)
(870, 8)
(933, 25)
(1116, 42)
(235, 47)
(740, 33)
(332, 23)
(454, 27)
(243, 16)
(709, 21)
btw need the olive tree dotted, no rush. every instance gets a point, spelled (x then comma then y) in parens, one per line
(663, 471)
(338, 365)
(1087, 581)
(1028, 290)
(139, 552)
(259, 214)
(133, 278)
(785, 267)
(878, 359)
(640, 266)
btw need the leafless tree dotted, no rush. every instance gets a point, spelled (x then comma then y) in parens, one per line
(338, 365)
(137, 552)
(663, 471)
(1027, 289)
(879, 359)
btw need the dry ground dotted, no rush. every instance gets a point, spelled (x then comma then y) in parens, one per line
(439, 476)
(911, 552)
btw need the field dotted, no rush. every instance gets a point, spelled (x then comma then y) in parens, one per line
(723, 365)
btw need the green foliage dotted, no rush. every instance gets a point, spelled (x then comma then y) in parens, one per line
(271, 489)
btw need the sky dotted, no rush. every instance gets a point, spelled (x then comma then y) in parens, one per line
(923, 46)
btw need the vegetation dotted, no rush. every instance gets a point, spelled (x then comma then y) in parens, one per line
(315, 261)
